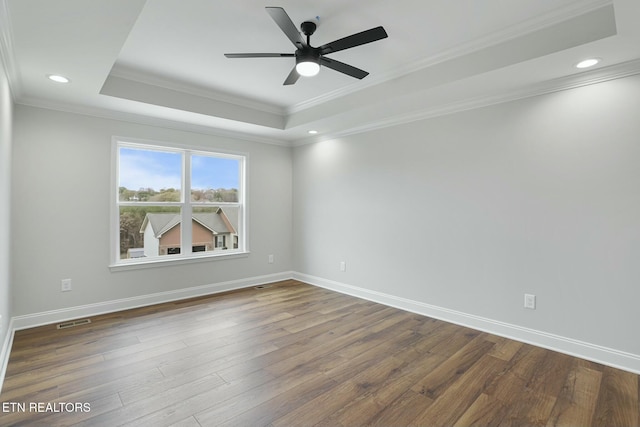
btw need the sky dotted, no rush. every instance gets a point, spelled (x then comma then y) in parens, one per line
(160, 169)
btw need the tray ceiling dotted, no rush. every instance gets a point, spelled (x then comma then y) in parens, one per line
(162, 60)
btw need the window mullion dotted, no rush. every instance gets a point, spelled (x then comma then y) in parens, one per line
(187, 210)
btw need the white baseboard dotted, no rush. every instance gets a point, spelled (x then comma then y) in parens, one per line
(56, 316)
(606, 356)
(5, 351)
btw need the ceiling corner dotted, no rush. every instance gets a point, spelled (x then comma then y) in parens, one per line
(7, 54)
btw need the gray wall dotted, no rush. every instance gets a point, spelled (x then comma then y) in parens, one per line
(466, 212)
(470, 211)
(6, 120)
(60, 207)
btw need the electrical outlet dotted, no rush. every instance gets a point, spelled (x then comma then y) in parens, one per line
(343, 266)
(530, 301)
(271, 259)
(65, 285)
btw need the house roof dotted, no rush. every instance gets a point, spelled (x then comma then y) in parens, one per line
(231, 214)
(160, 222)
(212, 221)
(218, 222)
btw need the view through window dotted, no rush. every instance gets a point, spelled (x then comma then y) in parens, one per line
(177, 203)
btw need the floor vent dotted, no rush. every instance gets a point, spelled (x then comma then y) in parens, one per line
(73, 323)
(262, 287)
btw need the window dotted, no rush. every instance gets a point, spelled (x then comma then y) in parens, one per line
(176, 203)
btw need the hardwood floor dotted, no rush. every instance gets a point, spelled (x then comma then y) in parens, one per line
(296, 355)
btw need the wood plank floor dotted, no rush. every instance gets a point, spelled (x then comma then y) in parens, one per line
(296, 355)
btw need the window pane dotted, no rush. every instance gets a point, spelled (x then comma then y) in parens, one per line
(149, 231)
(157, 185)
(214, 179)
(215, 228)
(149, 175)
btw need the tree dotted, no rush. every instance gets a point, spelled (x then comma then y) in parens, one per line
(166, 195)
(131, 219)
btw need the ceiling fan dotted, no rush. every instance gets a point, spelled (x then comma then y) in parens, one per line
(309, 58)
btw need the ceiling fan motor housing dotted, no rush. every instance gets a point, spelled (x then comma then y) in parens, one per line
(307, 54)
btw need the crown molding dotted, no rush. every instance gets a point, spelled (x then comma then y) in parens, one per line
(586, 78)
(140, 77)
(150, 121)
(549, 19)
(564, 83)
(7, 54)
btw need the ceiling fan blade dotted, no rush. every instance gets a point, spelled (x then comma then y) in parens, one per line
(344, 68)
(259, 55)
(354, 40)
(287, 26)
(292, 77)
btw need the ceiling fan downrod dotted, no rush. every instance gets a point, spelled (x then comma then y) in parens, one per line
(308, 28)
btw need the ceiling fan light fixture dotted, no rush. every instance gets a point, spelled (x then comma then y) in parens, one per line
(307, 67)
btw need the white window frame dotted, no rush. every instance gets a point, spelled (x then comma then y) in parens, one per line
(185, 204)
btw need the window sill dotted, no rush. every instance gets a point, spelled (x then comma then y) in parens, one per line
(171, 261)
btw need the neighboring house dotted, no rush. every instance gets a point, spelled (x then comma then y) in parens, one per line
(211, 231)
(135, 253)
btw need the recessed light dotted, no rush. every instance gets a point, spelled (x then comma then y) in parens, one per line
(57, 78)
(313, 132)
(588, 63)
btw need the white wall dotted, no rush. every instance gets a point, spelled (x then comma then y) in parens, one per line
(6, 119)
(468, 212)
(60, 207)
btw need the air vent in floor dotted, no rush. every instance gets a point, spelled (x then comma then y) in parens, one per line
(71, 324)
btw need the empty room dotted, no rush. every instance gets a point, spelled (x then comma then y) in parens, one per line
(330, 213)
